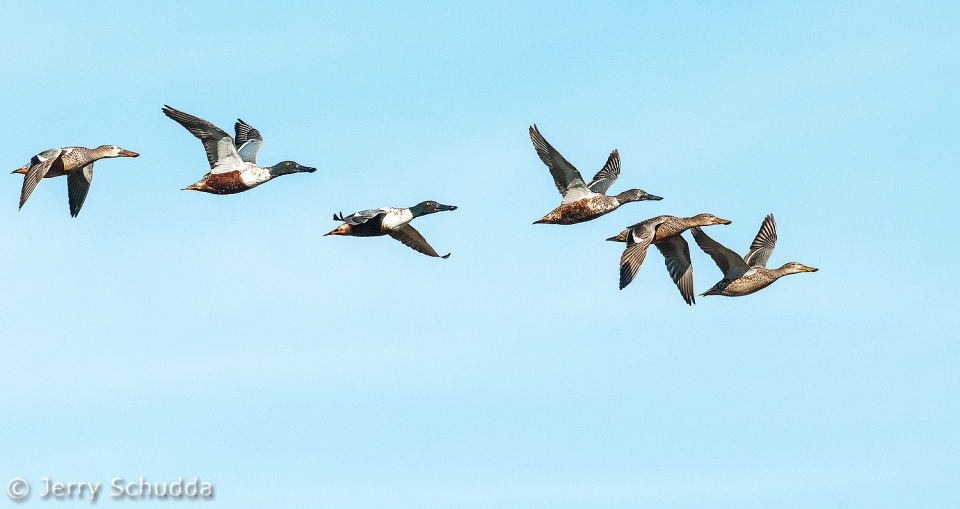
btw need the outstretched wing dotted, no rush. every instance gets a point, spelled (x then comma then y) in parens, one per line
(40, 164)
(676, 254)
(247, 141)
(566, 177)
(78, 184)
(763, 245)
(410, 237)
(730, 263)
(607, 175)
(221, 152)
(638, 240)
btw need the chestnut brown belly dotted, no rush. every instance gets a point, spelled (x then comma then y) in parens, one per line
(577, 212)
(224, 183)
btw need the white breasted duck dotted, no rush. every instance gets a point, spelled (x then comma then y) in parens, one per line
(233, 162)
(74, 162)
(748, 274)
(391, 221)
(582, 201)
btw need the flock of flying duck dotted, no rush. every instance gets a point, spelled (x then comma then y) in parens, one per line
(233, 169)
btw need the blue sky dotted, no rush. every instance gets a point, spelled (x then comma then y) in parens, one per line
(166, 333)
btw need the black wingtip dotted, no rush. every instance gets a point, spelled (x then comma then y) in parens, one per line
(446, 256)
(335, 218)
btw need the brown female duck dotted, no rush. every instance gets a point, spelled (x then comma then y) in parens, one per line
(582, 201)
(743, 276)
(74, 162)
(663, 232)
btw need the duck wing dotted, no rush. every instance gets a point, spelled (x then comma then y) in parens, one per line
(676, 254)
(247, 141)
(78, 184)
(40, 164)
(638, 240)
(221, 151)
(763, 245)
(730, 263)
(566, 177)
(607, 175)
(360, 217)
(410, 237)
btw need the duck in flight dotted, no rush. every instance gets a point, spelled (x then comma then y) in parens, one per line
(233, 161)
(748, 274)
(74, 162)
(391, 221)
(663, 232)
(582, 201)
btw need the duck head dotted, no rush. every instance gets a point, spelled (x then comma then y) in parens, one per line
(114, 151)
(707, 220)
(288, 167)
(795, 268)
(636, 195)
(429, 207)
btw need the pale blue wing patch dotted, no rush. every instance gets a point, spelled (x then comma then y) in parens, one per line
(364, 215)
(248, 151)
(247, 140)
(607, 175)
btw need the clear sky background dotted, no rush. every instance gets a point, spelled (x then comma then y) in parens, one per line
(167, 333)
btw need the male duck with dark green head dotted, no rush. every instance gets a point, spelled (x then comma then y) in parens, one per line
(582, 201)
(391, 221)
(233, 161)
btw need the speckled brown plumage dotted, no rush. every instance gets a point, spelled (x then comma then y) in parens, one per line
(74, 162)
(740, 277)
(581, 210)
(665, 233)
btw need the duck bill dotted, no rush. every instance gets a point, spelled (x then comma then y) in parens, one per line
(307, 169)
(128, 153)
(809, 269)
(653, 197)
(723, 221)
(441, 206)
